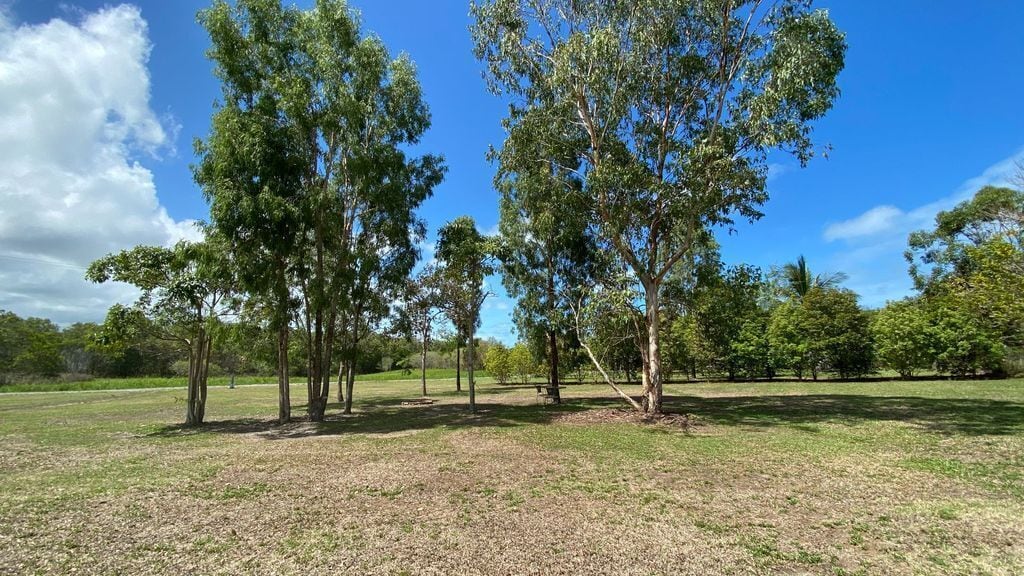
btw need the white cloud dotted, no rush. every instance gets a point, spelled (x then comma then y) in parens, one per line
(888, 221)
(875, 240)
(74, 113)
(776, 171)
(870, 223)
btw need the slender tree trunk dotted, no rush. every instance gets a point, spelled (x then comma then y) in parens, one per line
(653, 387)
(423, 364)
(341, 379)
(556, 392)
(554, 387)
(458, 365)
(204, 378)
(284, 403)
(470, 346)
(191, 417)
(350, 382)
(315, 377)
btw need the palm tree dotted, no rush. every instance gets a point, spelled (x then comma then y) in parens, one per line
(798, 280)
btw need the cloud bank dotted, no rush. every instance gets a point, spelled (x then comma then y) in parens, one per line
(75, 117)
(873, 242)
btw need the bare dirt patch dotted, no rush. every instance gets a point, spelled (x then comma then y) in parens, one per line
(685, 422)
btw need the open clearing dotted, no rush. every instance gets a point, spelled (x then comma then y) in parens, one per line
(795, 478)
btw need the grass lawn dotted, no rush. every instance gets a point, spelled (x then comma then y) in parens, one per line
(794, 478)
(181, 381)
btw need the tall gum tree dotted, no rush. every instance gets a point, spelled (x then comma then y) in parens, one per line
(674, 106)
(249, 166)
(545, 246)
(342, 113)
(358, 109)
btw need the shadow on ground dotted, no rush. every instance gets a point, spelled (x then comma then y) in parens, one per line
(953, 416)
(381, 417)
(965, 416)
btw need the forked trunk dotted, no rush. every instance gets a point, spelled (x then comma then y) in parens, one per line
(319, 382)
(199, 358)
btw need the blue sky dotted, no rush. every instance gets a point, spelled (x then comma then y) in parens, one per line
(931, 109)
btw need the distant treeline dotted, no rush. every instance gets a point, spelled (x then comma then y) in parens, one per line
(33, 349)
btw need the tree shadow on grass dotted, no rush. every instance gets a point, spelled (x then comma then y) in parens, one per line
(380, 416)
(963, 416)
(952, 416)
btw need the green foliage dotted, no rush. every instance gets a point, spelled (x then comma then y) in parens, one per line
(750, 352)
(787, 344)
(825, 330)
(185, 290)
(308, 173)
(521, 362)
(466, 258)
(29, 347)
(993, 291)
(949, 250)
(903, 337)
(497, 362)
(962, 345)
(726, 309)
(836, 331)
(969, 269)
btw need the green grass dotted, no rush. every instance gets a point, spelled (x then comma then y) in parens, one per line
(919, 477)
(181, 381)
(414, 374)
(127, 383)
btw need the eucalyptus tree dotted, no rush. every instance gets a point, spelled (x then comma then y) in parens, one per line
(250, 166)
(466, 258)
(359, 110)
(380, 268)
(383, 255)
(545, 249)
(186, 290)
(347, 112)
(670, 108)
(973, 261)
(421, 309)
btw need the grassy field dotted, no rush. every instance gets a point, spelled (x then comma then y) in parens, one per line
(181, 381)
(794, 478)
(127, 383)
